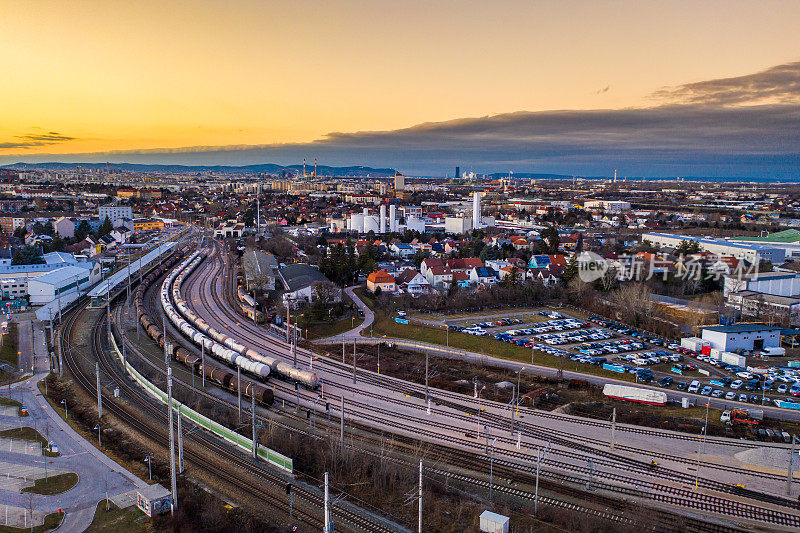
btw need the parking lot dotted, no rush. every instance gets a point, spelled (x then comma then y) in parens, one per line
(623, 349)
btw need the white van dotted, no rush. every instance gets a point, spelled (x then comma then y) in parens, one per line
(694, 386)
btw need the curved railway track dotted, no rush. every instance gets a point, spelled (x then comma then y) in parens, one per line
(155, 427)
(675, 495)
(223, 315)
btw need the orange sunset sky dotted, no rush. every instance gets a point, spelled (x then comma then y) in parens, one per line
(93, 76)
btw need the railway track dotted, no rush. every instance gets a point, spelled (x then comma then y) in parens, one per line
(155, 428)
(686, 498)
(613, 507)
(590, 445)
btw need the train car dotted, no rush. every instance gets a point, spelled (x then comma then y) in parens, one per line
(635, 394)
(219, 375)
(154, 331)
(262, 393)
(304, 377)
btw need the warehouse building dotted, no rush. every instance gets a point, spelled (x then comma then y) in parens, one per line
(752, 253)
(67, 279)
(775, 283)
(749, 337)
(788, 240)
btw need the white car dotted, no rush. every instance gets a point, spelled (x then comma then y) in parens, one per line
(737, 384)
(745, 375)
(730, 396)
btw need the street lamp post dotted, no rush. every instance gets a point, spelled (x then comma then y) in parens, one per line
(147, 460)
(99, 444)
(66, 413)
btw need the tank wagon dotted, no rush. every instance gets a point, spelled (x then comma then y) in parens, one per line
(214, 371)
(174, 279)
(304, 377)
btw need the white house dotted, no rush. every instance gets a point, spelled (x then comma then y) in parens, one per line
(483, 276)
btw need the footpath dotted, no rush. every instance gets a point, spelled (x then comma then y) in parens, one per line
(99, 476)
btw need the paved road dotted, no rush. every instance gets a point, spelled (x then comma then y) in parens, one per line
(25, 345)
(369, 318)
(97, 473)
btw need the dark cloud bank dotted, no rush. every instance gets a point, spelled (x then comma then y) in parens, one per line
(747, 127)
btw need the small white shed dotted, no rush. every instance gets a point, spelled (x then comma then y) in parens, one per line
(493, 522)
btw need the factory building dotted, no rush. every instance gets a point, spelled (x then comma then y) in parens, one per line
(752, 253)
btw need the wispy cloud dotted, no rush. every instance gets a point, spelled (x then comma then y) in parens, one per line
(779, 84)
(31, 140)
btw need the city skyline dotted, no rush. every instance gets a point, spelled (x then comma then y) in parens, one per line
(570, 88)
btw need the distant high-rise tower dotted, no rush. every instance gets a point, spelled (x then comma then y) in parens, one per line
(382, 219)
(458, 173)
(476, 209)
(315, 167)
(399, 182)
(304, 167)
(615, 175)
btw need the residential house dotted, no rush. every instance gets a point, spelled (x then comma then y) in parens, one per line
(439, 276)
(483, 276)
(382, 280)
(464, 264)
(428, 263)
(412, 282)
(402, 250)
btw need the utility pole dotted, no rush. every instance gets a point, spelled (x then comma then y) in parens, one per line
(180, 441)
(173, 478)
(790, 477)
(491, 467)
(419, 518)
(99, 396)
(203, 361)
(354, 361)
(287, 321)
(327, 525)
(239, 391)
(342, 349)
(294, 345)
(613, 426)
(342, 426)
(427, 396)
(539, 456)
(255, 437)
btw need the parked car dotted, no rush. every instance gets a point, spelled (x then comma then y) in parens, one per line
(706, 390)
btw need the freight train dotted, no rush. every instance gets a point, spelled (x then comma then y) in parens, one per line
(174, 279)
(212, 370)
(304, 377)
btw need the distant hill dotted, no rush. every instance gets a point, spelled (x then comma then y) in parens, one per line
(269, 168)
